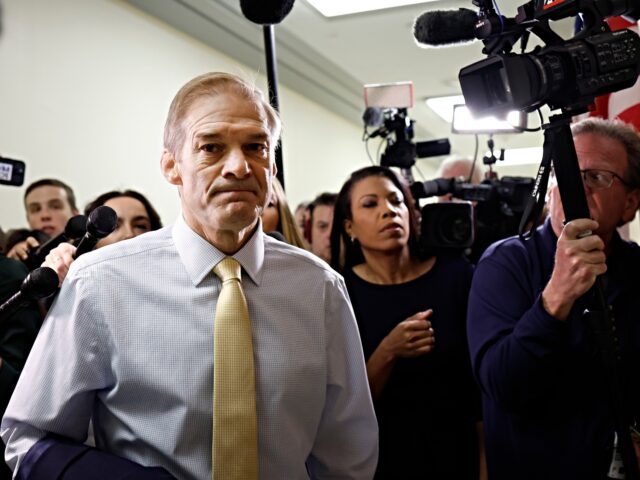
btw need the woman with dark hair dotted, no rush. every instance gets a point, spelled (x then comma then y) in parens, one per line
(411, 312)
(135, 213)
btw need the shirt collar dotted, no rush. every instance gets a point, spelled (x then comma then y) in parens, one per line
(200, 257)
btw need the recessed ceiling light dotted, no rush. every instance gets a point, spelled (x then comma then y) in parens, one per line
(335, 8)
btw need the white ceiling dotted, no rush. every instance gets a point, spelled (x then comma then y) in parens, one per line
(329, 59)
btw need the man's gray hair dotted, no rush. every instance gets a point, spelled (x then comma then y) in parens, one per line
(623, 133)
(454, 166)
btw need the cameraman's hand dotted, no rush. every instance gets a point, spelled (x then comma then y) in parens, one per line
(20, 251)
(60, 259)
(580, 258)
(412, 337)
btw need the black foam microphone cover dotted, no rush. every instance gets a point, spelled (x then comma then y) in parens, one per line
(266, 12)
(372, 117)
(101, 222)
(76, 227)
(442, 28)
(40, 283)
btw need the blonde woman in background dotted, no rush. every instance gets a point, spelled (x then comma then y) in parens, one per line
(277, 217)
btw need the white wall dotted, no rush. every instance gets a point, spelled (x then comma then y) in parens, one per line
(84, 91)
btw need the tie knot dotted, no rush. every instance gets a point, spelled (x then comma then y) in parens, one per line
(228, 269)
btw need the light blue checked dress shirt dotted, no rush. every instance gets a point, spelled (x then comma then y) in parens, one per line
(129, 343)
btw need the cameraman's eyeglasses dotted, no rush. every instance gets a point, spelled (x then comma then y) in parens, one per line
(600, 179)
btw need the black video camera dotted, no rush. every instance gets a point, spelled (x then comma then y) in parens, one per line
(387, 112)
(499, 204)
(563, 74)
(397, 128)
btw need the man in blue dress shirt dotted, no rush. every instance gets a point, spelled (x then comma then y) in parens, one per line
(546, 400)
(128, 343)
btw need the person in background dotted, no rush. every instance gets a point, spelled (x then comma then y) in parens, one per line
(17, 333)
(536, 354)
(21, 234)
(135, 214)
(277, 217)
(302, 217)
(49, 203)
(411, 310)
(320, 219)
(460, 168)
(172, 340)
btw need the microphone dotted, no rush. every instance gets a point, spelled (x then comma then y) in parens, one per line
(372, 117)
(40, 283)
(76, 227)
(266, 12)
(101, 222)
(442, 28)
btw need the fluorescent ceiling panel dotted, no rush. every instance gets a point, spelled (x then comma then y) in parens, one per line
(521, 156)
(335, 8)
(443, 106)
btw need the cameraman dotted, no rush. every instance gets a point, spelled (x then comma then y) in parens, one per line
(546, 399)
(456, 167)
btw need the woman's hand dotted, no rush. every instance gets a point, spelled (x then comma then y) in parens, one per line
(412, 337)
(60, 259)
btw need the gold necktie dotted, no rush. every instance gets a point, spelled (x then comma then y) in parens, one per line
(235, 431)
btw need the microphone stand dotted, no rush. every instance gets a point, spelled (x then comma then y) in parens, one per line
(272, 80)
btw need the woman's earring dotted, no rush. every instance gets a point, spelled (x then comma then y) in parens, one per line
(353, 239)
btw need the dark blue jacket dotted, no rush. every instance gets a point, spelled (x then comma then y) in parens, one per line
(546, 398)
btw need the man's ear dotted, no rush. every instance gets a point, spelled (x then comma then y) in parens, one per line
(631, 205)
(170, 168)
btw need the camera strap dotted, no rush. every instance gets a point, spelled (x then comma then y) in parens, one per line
(533, 210)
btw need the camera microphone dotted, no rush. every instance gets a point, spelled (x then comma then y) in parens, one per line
(40, 283)
(442, 28)
(372, 117)
(266, 12)
(101, 222)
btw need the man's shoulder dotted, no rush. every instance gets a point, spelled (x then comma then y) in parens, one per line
(286, 256)
(540, 243)
(126, 250)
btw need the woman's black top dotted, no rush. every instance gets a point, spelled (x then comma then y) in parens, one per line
(430, 404)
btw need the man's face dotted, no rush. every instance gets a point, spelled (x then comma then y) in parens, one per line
(321, 220)
(611, 206)
(225, 165)
(48, 209)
